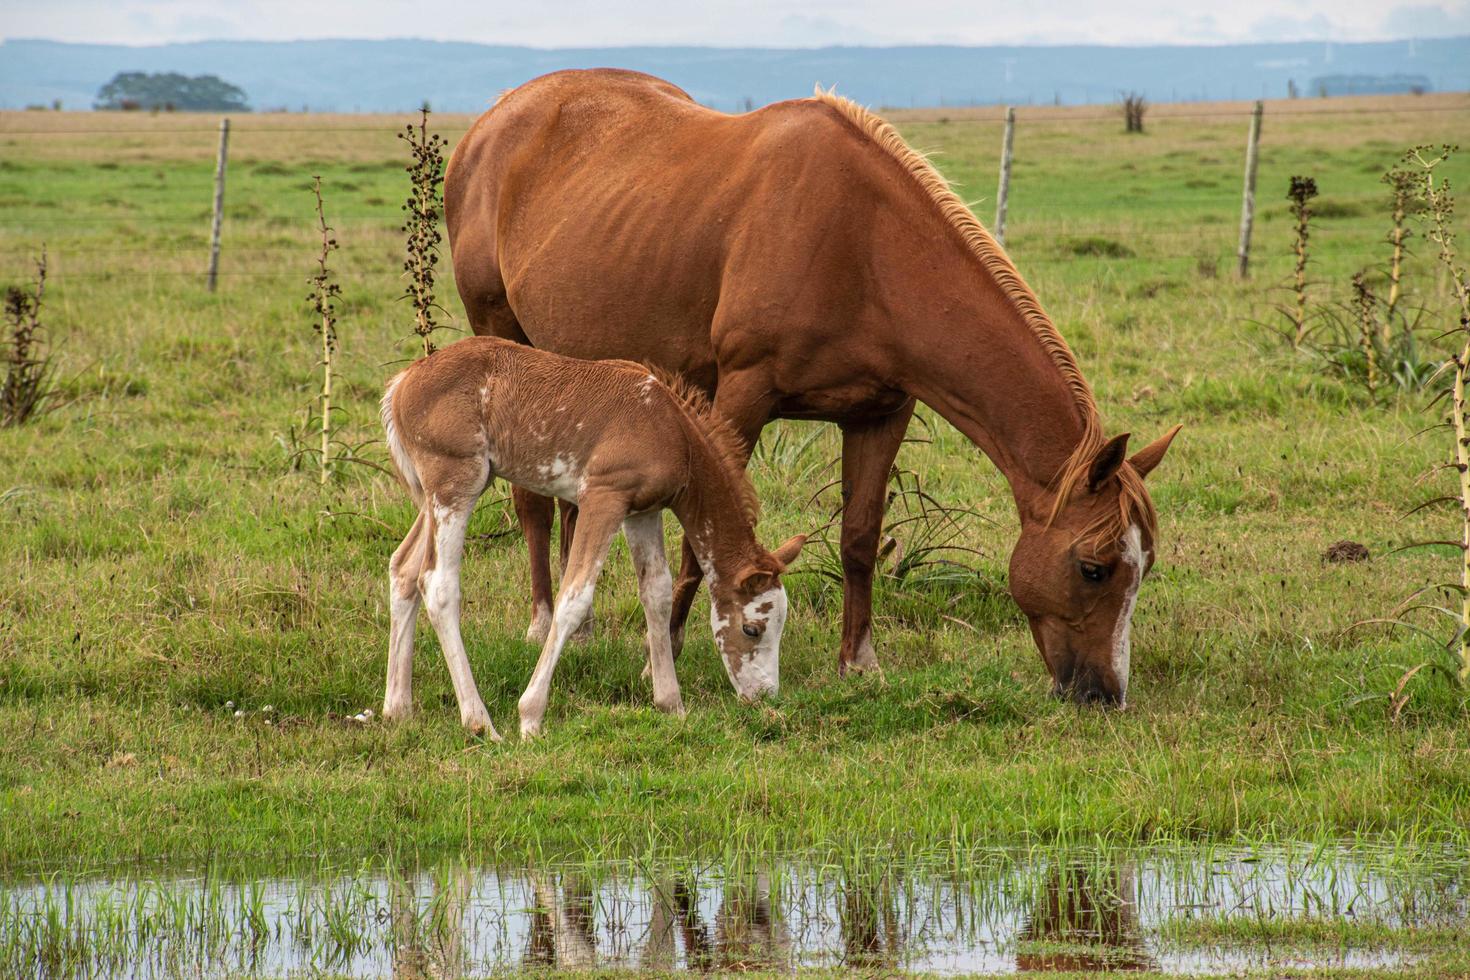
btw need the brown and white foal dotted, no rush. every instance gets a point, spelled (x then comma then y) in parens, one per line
(620, 444)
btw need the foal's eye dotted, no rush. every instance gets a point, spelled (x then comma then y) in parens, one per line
(751, 630)
(1092, 571)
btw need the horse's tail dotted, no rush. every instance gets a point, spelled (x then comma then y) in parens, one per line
(401, 460)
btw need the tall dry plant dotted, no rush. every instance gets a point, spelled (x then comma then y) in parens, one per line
(27, 388)
(425, 206)
(1401, 184)
(1433, 206)
(1437, 208)
(1366, 306)
(1300, 193)
(323, 299)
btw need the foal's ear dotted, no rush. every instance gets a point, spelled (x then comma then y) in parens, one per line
(1107, 461)
(755, 579)
(789, 549)
(1151, 455)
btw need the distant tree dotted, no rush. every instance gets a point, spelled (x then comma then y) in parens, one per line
(1134, 107)
(171, 90)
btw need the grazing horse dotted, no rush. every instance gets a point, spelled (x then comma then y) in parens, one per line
(801, 261)
(622, 446)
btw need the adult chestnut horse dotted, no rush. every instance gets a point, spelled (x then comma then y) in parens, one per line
(801, 261)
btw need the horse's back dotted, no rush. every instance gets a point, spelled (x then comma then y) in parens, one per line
(605, 213)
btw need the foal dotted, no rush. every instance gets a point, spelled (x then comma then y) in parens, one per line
(621, 445)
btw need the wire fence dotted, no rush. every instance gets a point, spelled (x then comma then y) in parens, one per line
(1041, 236)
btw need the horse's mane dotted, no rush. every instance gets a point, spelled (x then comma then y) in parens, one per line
(1133, 500)
(723, 441)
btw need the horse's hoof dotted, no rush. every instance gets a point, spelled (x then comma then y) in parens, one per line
(540, 626)
(863, 660)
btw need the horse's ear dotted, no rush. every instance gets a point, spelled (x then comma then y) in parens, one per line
(1151, 455)
(1107, 461)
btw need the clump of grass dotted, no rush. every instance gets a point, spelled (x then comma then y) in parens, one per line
(424, 206)
(1300, 193)
(28, 388)
(1100, 246)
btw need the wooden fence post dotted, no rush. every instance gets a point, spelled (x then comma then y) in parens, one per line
(219, 201)
(1005, 177)
(1248, 201)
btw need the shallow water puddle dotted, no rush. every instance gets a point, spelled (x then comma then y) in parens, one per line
(1201, 911)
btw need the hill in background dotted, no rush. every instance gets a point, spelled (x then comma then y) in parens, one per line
(386, 76)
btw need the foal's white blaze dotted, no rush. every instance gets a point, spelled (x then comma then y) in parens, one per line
(759, 673)
(1122, 644)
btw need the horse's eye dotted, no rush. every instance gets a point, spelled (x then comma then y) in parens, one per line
(751, 630)
(1092, 571)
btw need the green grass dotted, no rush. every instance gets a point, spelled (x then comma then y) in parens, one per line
(162, 559)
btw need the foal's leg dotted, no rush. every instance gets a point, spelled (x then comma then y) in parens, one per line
(534, 513)
(568, 513)
(868, 451)
(440, 586)
(645, 533)
(599, 523)
(403, 606)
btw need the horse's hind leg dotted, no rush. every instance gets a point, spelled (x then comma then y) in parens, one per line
(439, 584)
(535, 514)
(403, 605)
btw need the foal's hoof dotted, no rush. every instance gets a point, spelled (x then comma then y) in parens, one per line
(478, 723)
(671, 706)
(530, 730)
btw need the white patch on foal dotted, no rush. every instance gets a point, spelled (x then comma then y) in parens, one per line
(562, 477)
(1133, 559)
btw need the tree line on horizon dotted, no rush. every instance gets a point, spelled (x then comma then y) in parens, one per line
(170, 91)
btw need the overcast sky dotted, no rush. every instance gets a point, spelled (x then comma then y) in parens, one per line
(787, 23)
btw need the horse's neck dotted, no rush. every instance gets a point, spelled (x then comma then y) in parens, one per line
(970, 354)
(712, 513)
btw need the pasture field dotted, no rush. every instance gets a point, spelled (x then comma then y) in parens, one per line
(164, 560)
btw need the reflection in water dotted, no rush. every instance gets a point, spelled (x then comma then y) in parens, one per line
(993, 912)
(1085, 920)
(563, 934)
(870, 937)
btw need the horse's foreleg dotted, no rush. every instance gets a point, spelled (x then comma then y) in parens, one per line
(868, 451)
(534, 513)
(599, 523)
(745, 402)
